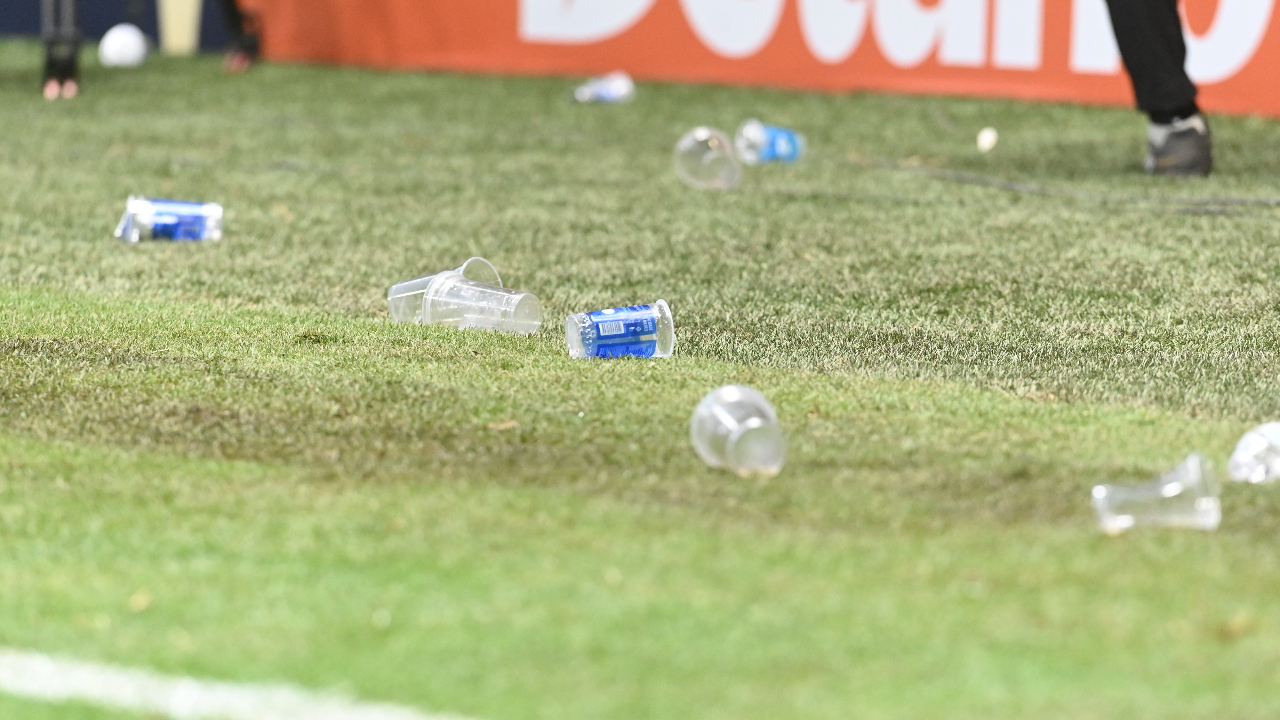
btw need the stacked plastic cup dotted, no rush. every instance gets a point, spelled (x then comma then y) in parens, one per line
(470, 296)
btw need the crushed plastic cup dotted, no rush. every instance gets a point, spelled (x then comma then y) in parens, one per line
(470, 296)
(1256, 458)
(758, 143)
(704, 159)
(176, 220)
(637, 331)
(615, 87)
(1187, 497)
(735, 427)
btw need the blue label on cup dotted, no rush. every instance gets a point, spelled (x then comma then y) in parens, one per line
(174, 220)
(780, 144)
(609, 92)
(627, 331)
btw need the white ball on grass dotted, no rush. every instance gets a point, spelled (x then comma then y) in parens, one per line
(987, 139)
(123, 46)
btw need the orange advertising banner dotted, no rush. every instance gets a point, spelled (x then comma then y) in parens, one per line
(1034, 49)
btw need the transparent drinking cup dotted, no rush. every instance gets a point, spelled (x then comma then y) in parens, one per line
(1256, 458)
(470, 296)
(735, 427)
(1187, 497)
(704, 158)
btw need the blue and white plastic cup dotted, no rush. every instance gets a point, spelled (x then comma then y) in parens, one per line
(645, 331)
(758, 143)
(615, 87)
(176, 220)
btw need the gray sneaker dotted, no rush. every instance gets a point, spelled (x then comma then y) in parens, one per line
(1183, 147)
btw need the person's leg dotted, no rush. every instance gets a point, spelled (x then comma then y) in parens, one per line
(61, 35)
(48, 25)
(244, 38)
(1149, 35)
(70, 20)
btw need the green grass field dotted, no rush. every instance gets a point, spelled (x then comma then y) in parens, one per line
(223, 460)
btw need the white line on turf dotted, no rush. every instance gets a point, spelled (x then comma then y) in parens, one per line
(36, 676)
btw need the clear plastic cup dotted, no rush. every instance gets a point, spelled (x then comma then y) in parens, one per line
(1185, 498)
(1256, 458)
(704, 159)
(404, 300)
(635, 331)
(735, 427)
(759, 143)
(470, 296)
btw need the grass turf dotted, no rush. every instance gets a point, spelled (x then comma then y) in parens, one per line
(305, 492)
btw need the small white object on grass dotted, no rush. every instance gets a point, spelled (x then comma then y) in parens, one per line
(38, 677)
(615, 87)
(987, 139)
(123, 46)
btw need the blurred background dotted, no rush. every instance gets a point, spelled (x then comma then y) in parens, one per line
(22, 17)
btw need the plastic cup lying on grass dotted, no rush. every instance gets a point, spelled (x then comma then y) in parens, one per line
(735, 427)
(758, 143)
(470, 296)
(1185, 498)
(615, 87)
(176, 220)
(704, 159)
(1257, 456)
(646, 331)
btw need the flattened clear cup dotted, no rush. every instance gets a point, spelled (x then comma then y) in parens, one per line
(1187, 497)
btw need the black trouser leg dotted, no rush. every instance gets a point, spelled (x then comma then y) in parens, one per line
(243, 38)
(1149, 33)
(60, 29)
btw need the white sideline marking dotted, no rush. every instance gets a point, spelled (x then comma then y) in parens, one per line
(41, 677)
